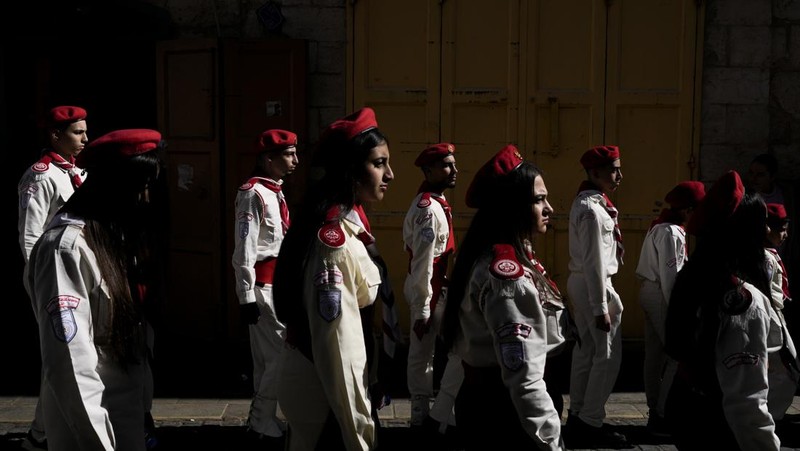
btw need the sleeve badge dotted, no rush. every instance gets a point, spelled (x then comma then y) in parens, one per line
(513, 355)
(61, 318)
(329, 303)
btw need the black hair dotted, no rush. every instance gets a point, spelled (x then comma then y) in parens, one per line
(501, 218)
(118, 230)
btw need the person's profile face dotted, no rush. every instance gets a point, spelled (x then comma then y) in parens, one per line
(540, 207)
(282, 164)
(72, 140)
(760, 178)
(376, 175)
(608, 177)
(776, 236)
(443, 173)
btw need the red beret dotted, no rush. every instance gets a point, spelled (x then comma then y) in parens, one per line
(119, 143)
(718, 205)
(434, 153)
(776, 212)
(599, 156)
(352, 125)
(65, 115)
(686, 194)
(503, 162)
(275, 139)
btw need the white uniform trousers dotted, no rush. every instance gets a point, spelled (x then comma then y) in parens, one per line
(419, 373)
(266, 344)
(596, 362)
(659, 369)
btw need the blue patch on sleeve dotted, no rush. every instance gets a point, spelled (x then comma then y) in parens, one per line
(513, 355)
(330, 303)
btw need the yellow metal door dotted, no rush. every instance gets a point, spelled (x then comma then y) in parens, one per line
(554, 77)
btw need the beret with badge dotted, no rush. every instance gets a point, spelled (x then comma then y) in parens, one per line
(275, 139)
(434, 153)
(502, 163)
(599, 156)
(118, 145)
(65, 114)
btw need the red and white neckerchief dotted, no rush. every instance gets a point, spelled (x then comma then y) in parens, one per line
(275, 187)
(612, 211)
(451, 241)
(537, 265)
(69, 166)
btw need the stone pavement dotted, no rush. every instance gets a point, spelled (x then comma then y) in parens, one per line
(196, 422)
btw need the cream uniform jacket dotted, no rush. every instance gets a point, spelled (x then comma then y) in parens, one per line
(89, 401)
(425, 234)
(42, 190)
(741, 353)
(592, 247)
(663, 255)
(341, 278)
(259, 234)
(783, 379)
(504, 316)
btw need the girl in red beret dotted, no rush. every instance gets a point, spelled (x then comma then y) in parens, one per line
(90, 280)
(324, 278)
(503, 312)
(664, 252)
(720, 327)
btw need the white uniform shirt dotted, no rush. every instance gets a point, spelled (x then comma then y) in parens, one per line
(504, 319)
(259, 234)
(592, 246)
(90, 401)
(663, 255)
(345, 279)
(42, 190)
(425, 234)
(741, 353)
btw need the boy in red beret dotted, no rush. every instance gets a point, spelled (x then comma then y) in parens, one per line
(595, 250)
(429, 240)
(262, 219)
(91, 279)
(43, 189)
(784, 370)
(664, 252)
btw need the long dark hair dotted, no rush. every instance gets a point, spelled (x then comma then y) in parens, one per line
(118, 230)
(504, 218)
(337, 167)
(708, 285)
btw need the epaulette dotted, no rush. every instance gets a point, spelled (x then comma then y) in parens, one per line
(505, 265)
(248, 185)
(424, 200)
(331, 234)
(737, 299)
(40, 166)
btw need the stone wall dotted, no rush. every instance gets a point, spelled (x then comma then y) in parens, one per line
(751, 86)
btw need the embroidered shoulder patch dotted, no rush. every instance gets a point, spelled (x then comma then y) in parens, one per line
(427, 234)
(329, 302)
(330, 276)
(331, 235)
(740, 358)
(423, 218)
(246, 186)
(40, 167)
(513, 330)
(513, 355)
(61, 318)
